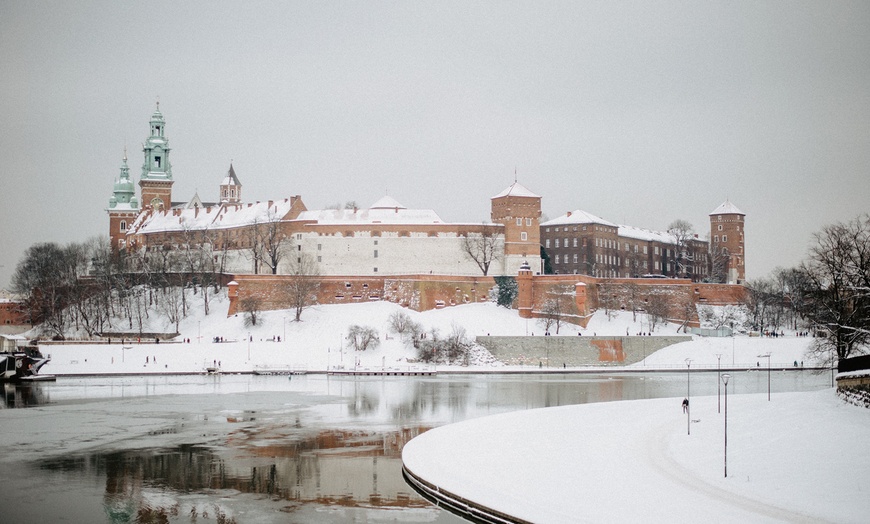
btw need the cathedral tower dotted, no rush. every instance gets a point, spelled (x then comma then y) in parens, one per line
(123, 207)
(726, 242)
(156, 181)
(519, 210)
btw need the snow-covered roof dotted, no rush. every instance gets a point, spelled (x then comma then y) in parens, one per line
(392, 215)
(518, 190)
(578, 217)
(217, 217)
(727, 208)
(639, 233)
(387, 202)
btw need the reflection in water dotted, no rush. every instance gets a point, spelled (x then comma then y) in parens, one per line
(23, 395)
(267, 449)
(356, 469)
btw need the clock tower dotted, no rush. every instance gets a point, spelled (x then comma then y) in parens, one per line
(156, 180)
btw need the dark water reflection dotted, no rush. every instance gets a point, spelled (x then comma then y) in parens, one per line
(264, 449)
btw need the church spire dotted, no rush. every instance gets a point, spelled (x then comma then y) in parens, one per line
(231, 188)
(156, 180)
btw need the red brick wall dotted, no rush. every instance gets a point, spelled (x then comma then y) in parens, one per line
(418, 292)
(13, 314)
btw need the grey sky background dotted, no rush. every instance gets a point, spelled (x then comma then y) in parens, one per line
(639, 112)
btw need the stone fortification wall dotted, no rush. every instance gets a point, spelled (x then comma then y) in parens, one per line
(855, 389)
(575, 351)
(417, 292)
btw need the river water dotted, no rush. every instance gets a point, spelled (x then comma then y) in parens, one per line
(243, 448)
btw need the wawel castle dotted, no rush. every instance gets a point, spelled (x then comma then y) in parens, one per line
(265, 238)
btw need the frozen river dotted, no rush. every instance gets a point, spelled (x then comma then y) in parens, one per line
(244, 448)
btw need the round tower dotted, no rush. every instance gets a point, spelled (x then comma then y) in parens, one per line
(727, 243)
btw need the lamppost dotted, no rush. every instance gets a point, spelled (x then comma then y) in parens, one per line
(725, 378)
(718, 381)
(767, 356)
(688, 397)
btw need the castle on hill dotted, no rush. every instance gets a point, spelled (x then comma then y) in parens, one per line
(387, 238)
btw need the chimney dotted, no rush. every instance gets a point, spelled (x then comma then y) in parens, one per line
(568, 214)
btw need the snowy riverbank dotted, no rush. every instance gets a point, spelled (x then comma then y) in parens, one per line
(797, 458)
(318, 343)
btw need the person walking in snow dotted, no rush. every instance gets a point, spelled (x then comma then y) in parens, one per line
(685, 405)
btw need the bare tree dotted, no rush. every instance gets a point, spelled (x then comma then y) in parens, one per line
(719, 262)
(657, 306)
(483, 247)
(557, 304)
(720, 316)
(399, 322)
(304, 284)
(363, 337)
(271, 242)
(837, 294)
(251, 307)
(607, 297)
(682, 232)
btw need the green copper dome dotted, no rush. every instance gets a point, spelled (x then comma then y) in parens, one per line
(124, 191)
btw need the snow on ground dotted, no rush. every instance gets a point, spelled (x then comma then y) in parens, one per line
(317, 343)
(794, 458)
(797, 458)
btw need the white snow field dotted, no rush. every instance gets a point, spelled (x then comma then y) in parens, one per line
(318, 343)
(801, 457)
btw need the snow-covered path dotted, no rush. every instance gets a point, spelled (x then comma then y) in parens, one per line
(798, 458)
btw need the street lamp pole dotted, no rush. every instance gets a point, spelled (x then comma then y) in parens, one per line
(725, 378)
(767, 355)
(688, 398)
(719, 381)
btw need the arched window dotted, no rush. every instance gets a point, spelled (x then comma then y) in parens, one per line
(123, 225)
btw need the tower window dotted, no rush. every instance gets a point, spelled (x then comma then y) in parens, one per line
(123, 225)
(157, 161)
(528, 221)
(519, 221)
(724, 238)
(524, 236)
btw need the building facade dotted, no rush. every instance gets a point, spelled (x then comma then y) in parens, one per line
(272, 237)
(579, 242)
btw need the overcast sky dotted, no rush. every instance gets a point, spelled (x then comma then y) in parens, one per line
(640, 113)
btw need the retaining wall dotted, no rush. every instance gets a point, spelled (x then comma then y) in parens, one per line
(575, 351)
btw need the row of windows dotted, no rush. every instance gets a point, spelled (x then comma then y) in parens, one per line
(520, 221)
(602, 242)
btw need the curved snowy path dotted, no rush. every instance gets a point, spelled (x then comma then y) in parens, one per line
(795, 459)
